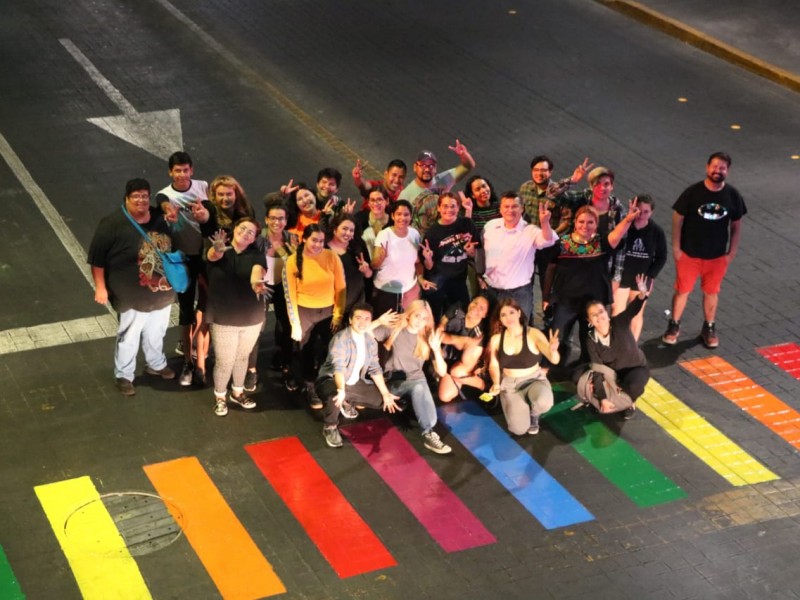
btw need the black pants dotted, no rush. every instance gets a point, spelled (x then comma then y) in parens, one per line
(361, 393)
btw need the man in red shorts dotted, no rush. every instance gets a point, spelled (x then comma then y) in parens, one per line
(706, 224)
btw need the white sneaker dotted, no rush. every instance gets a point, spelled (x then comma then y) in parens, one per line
(434, 444)
(221, 407)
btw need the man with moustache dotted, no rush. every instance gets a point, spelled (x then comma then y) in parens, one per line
(423, 193)
(706, 225)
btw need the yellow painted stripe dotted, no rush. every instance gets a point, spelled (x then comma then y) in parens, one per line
(701, 438)
(97, 555)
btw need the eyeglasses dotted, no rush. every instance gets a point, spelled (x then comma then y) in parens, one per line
(141, 196)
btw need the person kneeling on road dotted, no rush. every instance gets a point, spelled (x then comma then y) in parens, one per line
(343, 378)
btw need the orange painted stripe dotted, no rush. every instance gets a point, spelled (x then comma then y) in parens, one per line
(226, 550)
(757, 402)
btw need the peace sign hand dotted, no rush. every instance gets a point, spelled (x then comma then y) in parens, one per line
(544, 213)
(288, 189)
(363, 265)
(553, 341)
(349, 206)
(459, 148)
(427, 253)
(470, 246)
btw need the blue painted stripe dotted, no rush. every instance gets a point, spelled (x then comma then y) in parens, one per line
(534, 488)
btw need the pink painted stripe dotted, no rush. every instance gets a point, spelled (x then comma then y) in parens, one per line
(437, 508)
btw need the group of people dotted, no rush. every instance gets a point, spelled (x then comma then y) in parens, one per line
(413, 287)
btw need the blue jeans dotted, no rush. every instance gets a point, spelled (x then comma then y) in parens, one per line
(421, 399)
(150, 328)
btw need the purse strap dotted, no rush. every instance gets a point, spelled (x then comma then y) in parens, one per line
(140, 229)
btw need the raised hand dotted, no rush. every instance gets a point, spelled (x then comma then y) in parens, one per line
(199, 212)
(544, 213)
(358, 171)
(328, 208)
(644, 284)
(435, 340)
(459, 148)
(581, 170)
(470, 246)
(552, 340)
(427, 285)
(633, 208)
(287, 189)
(389, 318)
(171, 213)
(427, 252)
(349, 206)
(363, 265)
(466, 203)
(218, 240)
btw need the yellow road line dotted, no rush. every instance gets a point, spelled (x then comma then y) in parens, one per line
(97, 554)
(701, 438)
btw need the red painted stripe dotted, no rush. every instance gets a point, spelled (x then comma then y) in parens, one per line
(784, 356)
(341, 535)
(437, 508)
(757, 402)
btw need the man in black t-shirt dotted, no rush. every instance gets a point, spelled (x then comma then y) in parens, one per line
(706, 224)
(128, 273)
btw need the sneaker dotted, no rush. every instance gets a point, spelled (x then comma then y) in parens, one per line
(349, 411)
(179, 349)
(187, 373)
(250, 381)
(165, 373)
(670, 336)
(125, 387)
(332, 437)
(221, 407)
(199, 378)
(709, 335)
(628, 413)
(314, 401)
(243, 400)
(434, 444)
(534, 428)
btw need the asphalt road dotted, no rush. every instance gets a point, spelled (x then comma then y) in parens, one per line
(269, 91)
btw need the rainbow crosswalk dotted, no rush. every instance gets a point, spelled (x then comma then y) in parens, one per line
(103, 567)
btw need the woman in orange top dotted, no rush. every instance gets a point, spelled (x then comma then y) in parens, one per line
(314, 286)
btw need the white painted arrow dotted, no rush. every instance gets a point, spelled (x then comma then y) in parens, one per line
(157, 132)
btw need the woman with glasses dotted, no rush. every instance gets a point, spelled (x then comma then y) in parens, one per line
(236, 287)
(278, 245)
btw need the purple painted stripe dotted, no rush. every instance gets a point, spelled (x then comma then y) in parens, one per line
(435, 506)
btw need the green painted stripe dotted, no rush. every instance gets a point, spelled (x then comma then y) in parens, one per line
(615, 458)
(9, 586)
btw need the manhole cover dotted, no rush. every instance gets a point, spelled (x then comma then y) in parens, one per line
(144, 523)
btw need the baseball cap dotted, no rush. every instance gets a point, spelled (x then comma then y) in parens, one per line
(426, 155)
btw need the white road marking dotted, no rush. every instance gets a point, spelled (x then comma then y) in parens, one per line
(158, 132)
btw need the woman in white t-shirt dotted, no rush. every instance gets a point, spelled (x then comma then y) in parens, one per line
(395, 261)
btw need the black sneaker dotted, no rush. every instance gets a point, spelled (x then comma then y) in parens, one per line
(628, 413)
(332, 437)
(709, 335)
(187, 373)
(199, 378)
(250, 381)
(670, 337)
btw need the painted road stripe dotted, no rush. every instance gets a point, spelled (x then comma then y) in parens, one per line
(438, 509)
(784, 356)
(9, 586)
(95, 550)
(615, 458)
(540, 494)
(341, 535)
(232, 559)
(757, 402)
(701, 438)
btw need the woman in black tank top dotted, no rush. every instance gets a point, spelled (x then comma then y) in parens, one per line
(514, 355)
